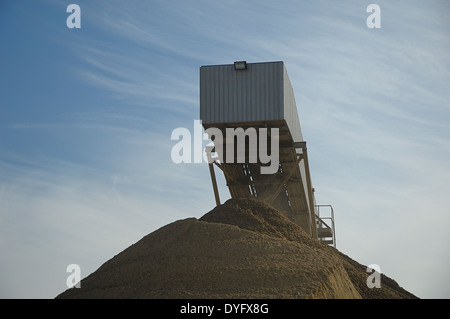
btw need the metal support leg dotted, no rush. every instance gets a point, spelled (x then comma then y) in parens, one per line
(214, 183)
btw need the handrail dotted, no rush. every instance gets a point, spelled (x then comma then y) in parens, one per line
(331, 218)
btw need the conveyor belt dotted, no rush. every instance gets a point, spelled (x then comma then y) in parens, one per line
(285, 190)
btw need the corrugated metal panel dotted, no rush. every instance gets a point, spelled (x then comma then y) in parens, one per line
(263, 92)
(255, 94)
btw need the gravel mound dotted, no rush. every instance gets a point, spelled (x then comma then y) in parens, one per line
(241, 249)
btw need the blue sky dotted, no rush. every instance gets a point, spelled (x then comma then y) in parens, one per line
(86, 117)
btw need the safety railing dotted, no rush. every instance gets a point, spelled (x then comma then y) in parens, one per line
(324, 230)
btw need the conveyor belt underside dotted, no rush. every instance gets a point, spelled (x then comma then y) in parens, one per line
(284, 190)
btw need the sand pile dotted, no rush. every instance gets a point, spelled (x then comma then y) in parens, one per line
(241, 249)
